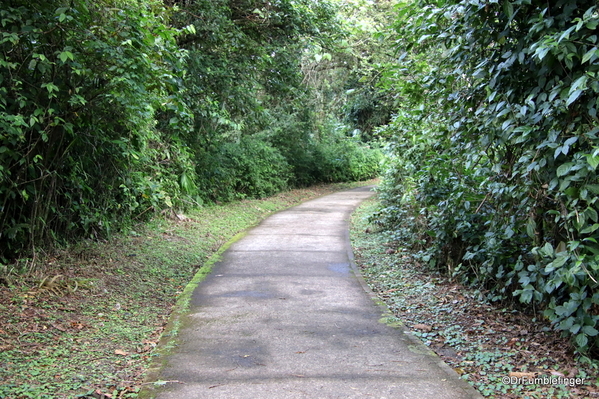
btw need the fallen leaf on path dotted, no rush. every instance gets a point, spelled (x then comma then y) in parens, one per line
(121, 352)
(100, 395)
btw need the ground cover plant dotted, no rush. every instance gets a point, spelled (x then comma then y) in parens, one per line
(484, 342)
(84, 321)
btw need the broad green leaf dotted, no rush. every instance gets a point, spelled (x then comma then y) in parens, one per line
(580, 82)
(573, 97)
(51, 87)
(66, 55)
(531, 227)
(559, 261)
(564, 169)
(548, 249)
(541, 52)
(571, 140)
(61, 10)
(593, 161)
(566, 33)
(592, 214)
(590, 331)
(509, 233)
(582, 340)
(594, 188)
(566, 324)
(508, 8)
(592, 53)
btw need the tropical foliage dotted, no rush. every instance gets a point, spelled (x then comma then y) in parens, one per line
(113, 110)
(81, 85)
(496, 145)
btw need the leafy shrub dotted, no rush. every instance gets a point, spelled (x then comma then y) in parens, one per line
(331, 156)
(80, 85)
(248, 169)
(506, 188)
(345, 160)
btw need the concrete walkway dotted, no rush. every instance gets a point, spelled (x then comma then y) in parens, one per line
(283, 315)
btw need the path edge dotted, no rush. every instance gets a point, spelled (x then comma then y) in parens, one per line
(388, 318)
(170, 336)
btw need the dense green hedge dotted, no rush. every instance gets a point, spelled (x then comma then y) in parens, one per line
(250, 168)
(80, 86)
(346, 160)
(496, 149)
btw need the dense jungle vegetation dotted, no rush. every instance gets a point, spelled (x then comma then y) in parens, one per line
(495, 144)
(112, 111)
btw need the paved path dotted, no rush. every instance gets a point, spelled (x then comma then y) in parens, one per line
(283, 316)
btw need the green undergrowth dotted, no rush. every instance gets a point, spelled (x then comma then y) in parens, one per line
(86, 321)
(491, 347)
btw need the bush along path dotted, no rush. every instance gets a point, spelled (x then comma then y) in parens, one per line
(86, 321)
(500, 351)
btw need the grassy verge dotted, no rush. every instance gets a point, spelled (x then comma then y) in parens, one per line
(501, 352)
(85, 323)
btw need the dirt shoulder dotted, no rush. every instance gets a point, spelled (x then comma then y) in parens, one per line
(502, 352)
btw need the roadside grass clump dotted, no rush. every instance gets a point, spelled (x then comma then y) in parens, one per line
(86, 320)
(489, 346)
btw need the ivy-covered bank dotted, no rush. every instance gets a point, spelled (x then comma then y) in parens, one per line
(114, 110)
(496, 148)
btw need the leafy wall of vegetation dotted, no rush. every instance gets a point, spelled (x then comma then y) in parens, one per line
(81, 88)
(112, 110)
(496, 146)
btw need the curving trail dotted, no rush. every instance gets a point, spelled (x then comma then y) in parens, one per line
(284, 315)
